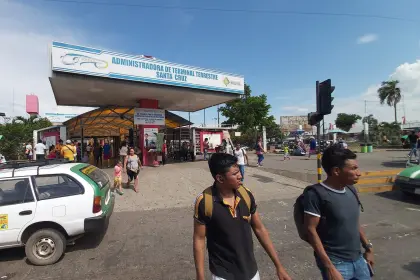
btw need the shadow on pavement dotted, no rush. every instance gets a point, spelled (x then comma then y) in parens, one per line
(400, 196)
(413, 267)
(89, 241)
(12, 254)
(395, 163)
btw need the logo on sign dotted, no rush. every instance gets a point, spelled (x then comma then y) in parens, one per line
(77, 59)
(227, 82)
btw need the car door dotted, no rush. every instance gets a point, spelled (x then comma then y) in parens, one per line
(61, 199)
(17, 208)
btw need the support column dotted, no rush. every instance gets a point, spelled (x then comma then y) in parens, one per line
(148, 104)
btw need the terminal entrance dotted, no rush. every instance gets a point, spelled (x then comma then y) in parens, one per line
(133, 95)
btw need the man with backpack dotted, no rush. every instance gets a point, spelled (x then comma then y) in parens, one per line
(225, 213)
(327, 216)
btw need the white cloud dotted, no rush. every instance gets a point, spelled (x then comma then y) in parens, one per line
(409, 76)
(294, 108)
(367, 38)
(24, 56)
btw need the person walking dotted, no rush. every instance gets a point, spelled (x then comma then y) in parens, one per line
(206, 147)
(107, 153)
(97, 153)
(242, 158)
(312, 147)
(29, 151)
(412, 138)
(118, 178)
(132, 166)
(331, 219)
(68, 151)
(58, 148)
(225, 214)
(40, 150)
(259, 151)
(123, 151)
(286, 153)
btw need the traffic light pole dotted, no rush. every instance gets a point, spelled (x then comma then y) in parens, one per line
(318, 152)
(318, 136)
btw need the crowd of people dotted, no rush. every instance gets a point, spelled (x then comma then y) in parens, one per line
(71, 150)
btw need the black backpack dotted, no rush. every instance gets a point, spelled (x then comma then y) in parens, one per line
(298, 211)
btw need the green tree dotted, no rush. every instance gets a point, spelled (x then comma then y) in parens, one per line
(390, 93)
(346, 121)
(17, 132)
(390, 131)
(248, 111)
(251, 113)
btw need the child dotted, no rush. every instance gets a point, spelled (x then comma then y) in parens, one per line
(286, 153)
(118, 177)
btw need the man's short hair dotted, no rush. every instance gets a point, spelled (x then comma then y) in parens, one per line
(220, 163)
(336, 156)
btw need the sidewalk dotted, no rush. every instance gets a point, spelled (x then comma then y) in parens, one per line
(177, 185)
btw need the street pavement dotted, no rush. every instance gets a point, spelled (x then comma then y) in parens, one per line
(150, 233)
(302, 168)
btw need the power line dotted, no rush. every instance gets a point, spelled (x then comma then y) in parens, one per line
(284, 12)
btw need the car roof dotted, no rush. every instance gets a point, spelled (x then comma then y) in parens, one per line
(37, 170)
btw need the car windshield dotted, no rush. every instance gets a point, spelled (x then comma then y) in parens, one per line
(96, 175)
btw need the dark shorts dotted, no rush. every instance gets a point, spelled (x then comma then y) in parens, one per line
(40, 157)
(132, 175)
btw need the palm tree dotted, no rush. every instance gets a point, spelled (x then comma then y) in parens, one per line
(390, 93)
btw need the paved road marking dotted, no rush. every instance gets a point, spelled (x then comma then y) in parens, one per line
(413, 209)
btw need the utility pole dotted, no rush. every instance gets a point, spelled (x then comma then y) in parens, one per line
(204, 117)
(189, 125)
(365, 108)
(218, 116)
(324, 107)
(318, 136)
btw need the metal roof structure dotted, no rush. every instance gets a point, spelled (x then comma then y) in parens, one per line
(91, 77)
(112, 121)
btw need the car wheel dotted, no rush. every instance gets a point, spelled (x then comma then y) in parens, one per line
(45, 247)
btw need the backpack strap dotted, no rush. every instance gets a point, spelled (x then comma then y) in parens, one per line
(353, 190)
(320, 192)
(208, 202)
(244, 193)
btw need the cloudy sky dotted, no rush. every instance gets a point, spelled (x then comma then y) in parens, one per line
(281, 55)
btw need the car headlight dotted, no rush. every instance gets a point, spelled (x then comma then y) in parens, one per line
(402, 178)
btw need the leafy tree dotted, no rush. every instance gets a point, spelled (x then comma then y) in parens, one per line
(17, 132)
(346, 121)
(390, 131)
(251, 113)
(248, 111)
(390, 93)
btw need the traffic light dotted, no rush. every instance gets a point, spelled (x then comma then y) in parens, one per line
(325, 97)
(314, 118)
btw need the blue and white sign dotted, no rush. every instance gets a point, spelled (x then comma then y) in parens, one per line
(58, 117)
(144, 116)
(95, 62)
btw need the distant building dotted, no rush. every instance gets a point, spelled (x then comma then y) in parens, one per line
(293, 123)
(32, 104)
